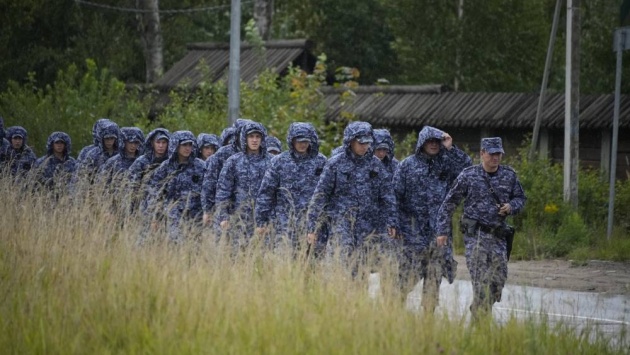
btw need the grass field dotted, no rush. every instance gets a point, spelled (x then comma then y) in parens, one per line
(72, 280)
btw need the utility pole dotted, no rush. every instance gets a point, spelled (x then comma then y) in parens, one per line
(151, 38)
(543, 86)
(234, 79)
(621, 43)
(572, 104)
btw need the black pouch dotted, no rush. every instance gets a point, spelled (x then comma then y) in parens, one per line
(468, 226)
(506, 232)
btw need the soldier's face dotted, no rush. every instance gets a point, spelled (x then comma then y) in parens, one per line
(131, 147)
(207, 152)
(185, 150)
(253, 141)
(359, 149)
(381, 153)
(109, 143)
(17, 142)
(160, 146)
(59, 147)
(432, 146)
(301, 147)
(491, 161)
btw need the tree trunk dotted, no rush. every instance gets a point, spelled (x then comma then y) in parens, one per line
(151, 38)
(263, 15)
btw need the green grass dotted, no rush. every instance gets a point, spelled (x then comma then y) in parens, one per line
(73, 281)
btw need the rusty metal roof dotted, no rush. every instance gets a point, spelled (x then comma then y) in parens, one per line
(210, 62)
(416, 106)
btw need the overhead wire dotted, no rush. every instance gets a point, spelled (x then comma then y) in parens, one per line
(161, 11)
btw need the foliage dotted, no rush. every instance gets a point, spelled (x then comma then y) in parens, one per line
(72, 104)
(81, 285)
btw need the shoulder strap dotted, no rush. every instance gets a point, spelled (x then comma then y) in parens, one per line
(494, 194)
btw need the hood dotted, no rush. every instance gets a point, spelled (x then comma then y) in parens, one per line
(2, 132)
(17, 130)
(425, 134)
(148, 142)
(249, 127)
(273, 142)
(178, 137)
(127, 134)
(383, 137)
(97, 128)
(108, 128)
(357, 129)
(208, 139)
(236, 142)
(227, 136)
(302, 129)
(55, 136)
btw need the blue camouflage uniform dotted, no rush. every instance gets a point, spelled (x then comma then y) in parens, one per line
(273, 145)
(52, 172)
(141, 169)
(338, 150)
(421, 183)
(486, 254)
(98, 155)
(118, 165)
(19, 161)
(175, 188)
(215, 163)
(96, 134)
(351, 191)
(227, 136)
(4, 144)
(383, 139)
(288, 186)
(238, 186)
(207, 140)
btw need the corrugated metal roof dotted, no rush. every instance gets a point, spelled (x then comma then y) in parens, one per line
(215, 57)
(416, 106)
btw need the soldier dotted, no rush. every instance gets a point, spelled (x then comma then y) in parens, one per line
(384, 150)
(421, 183)
(483, 221)
(239, 183)
(288, 186)
(214, 165)
(274, 146)
(208, 145)
(353, 188)
(155, 152)
(175, 186)
(96, 136)
(129, 150)
(107, 148)
(55, 169)
(19, 156)
(4, 144)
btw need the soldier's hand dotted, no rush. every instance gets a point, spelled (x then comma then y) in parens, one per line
(505, 209)
(311, 238)
(206, 218)
(225, 225)
(447, 141)
(441, 240)
(391, 232)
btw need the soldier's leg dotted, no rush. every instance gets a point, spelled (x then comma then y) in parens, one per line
(477, 262)
(498, 267)
(409, 271)
(431, 283)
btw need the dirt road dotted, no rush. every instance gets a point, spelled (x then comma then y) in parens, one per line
(597, 276)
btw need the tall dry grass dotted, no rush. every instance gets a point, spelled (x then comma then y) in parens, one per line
(73, 280)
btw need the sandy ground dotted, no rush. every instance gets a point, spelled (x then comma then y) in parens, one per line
(596, 276)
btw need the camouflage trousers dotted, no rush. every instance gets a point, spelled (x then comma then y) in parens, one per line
(486, 258)
(421, 263)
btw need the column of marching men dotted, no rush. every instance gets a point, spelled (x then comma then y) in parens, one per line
(361, 200)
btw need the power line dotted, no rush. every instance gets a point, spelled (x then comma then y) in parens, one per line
(143, 11)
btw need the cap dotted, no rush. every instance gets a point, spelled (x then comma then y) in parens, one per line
(134, 140)
(59, 140)
(161, 136)
(302, 139)
(382, 146)
(254, 130)
(186, 141)
(365, 139)
(111, 135)
(492, 145)
(18, 135)
(273, 149)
